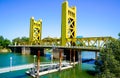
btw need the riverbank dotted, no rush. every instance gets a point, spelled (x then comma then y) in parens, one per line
(5, 50)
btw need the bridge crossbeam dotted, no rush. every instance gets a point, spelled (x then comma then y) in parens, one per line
(93, 41)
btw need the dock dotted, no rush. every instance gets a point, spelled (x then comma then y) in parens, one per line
(49, 69)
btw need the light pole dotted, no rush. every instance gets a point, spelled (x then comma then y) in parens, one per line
(34, 58)
(51, 58)
(10, 63)
(34, 65)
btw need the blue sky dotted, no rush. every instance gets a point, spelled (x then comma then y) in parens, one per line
(94, 17)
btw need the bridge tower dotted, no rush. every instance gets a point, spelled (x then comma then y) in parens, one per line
(35, 31)
(68, 28)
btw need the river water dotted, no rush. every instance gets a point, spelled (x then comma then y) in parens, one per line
(80, 70)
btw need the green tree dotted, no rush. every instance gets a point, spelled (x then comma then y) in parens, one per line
(25, 40)
(110, 58)
(16, 41)
(119, 35)
(6, 42)
(20, 41)
(1, 40)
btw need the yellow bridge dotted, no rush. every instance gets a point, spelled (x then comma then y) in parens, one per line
(68, 32)
(68, 42)
(68, 45)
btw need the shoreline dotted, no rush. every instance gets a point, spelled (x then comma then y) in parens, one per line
(5, 50)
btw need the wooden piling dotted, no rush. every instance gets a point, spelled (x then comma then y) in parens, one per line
(38, 63)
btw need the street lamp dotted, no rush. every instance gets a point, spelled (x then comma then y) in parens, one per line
(10, 63)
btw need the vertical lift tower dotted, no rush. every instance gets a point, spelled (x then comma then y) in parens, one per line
(68, 28)
(35, 31)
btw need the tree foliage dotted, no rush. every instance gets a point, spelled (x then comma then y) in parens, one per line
(20, 41)
(1, 40)
(119, 35)
(4, 42)
(109, 60)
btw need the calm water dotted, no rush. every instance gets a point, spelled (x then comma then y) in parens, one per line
(80, 71)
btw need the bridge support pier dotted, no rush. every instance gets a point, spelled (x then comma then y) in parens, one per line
(35, 50)
(74, 58)
(13, 50)
(96, 55)
(70, 56)
(60, 59)
(16, 49)
(25, 50)
(79, 57)
(69, 53)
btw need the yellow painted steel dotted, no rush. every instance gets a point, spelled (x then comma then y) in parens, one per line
(35, 31)
(93, 41)
(68, 32)
(68, 28)
(97, 42)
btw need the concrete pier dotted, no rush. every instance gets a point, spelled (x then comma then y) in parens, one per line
(96, 55)
(70, 56)
(25, 50)
(79, 57)
(74, 58)
(60, 59)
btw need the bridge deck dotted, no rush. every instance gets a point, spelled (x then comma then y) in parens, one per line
(58, 47)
